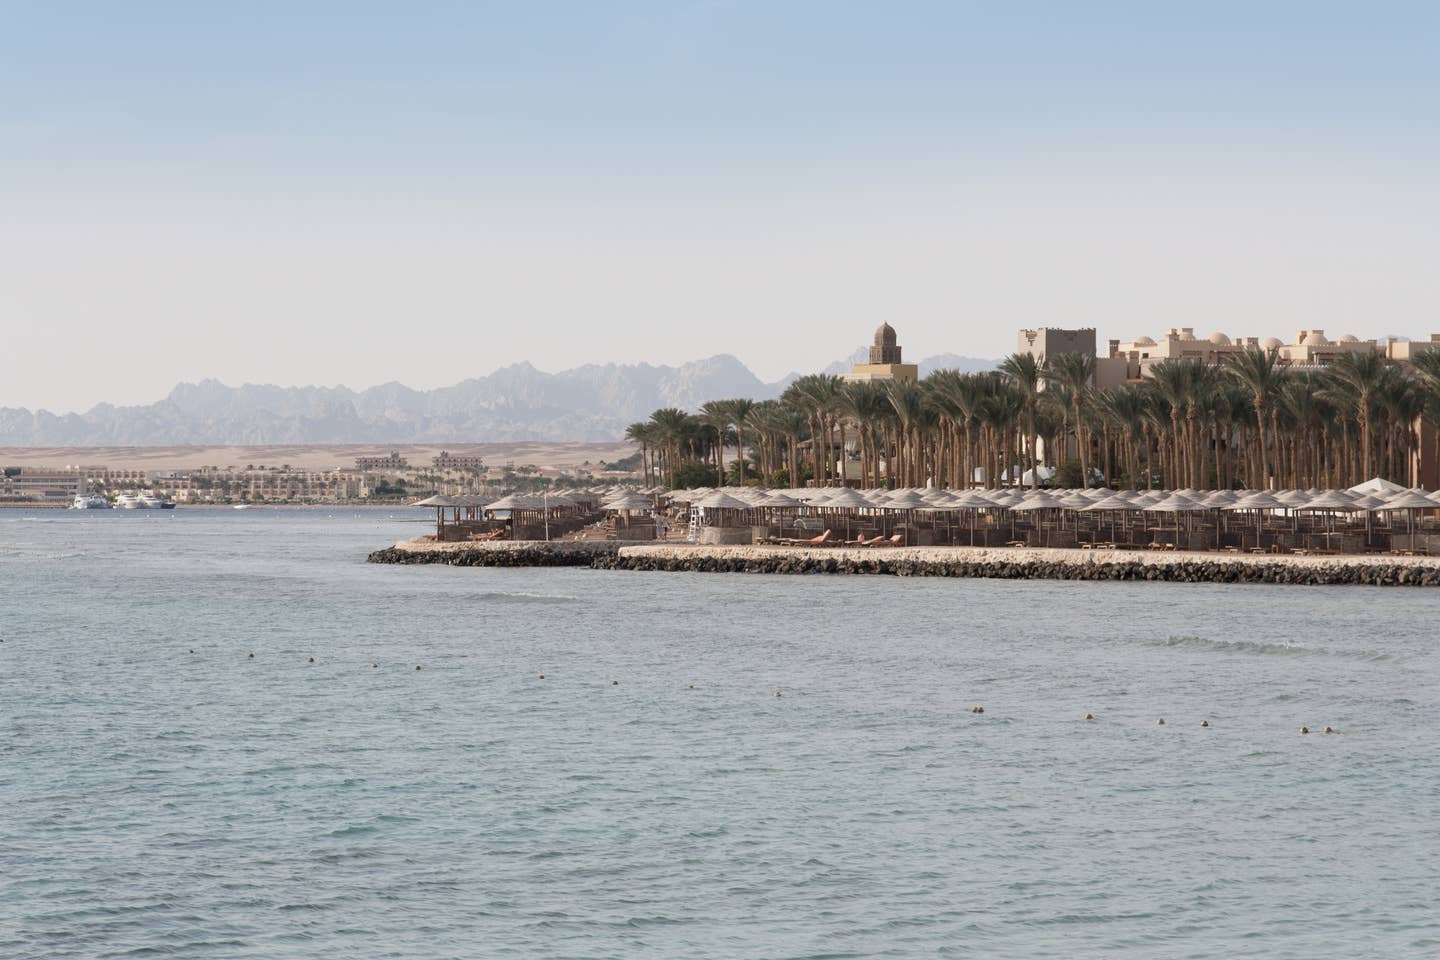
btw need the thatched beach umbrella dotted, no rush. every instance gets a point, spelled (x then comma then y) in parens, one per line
(721, 505)
(630, 502)
(1410, 501)
(1110, 507)
(1380, 487)
(1330, 503)
(1261, 502)
(906, 502)
(776, 504)
(1176, 503)
(846, 501)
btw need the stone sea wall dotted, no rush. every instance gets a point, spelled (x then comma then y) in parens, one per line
(1008, 564)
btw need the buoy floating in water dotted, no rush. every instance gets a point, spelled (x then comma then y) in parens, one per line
(1328, 730)
(312, 660)
(252, 656)
(1204, 723)
(417, 666)
(1304, 729)
(977, 709)
(373, 665)
(1160, 722)
(777, 693)
(1089, 716)
(542, 676)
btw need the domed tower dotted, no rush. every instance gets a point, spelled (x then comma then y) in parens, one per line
(885, 349)
(884, 360)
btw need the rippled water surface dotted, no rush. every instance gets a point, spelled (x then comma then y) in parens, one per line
(162, 793)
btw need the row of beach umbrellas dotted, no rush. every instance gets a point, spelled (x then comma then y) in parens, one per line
(1078, 500)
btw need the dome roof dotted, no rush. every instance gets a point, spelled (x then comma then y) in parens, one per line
(1271, 343)
(1186, 335)
(884, 335)
(1144, 342)
(1349, 338)
(1317, 339)
(1219, 339)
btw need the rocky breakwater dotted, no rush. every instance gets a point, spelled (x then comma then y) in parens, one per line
(1033, 564)
(998, 563)
(500, 553)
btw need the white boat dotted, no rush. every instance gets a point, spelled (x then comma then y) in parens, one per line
(241, 506)
(83, 502)
(145, 500)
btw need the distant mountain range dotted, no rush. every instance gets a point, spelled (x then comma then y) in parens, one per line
(589, 403)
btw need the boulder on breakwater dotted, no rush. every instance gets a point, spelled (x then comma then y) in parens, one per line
(1027, 564)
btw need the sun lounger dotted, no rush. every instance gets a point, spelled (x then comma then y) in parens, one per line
(821, 541)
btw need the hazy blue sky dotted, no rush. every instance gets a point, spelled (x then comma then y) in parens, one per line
(308, 192)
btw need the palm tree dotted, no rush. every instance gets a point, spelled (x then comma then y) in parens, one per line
(815, 394)
(1362, 375)
(1173, 380)
(643, 433)
(793, 423)
(1427, 370)
(864, 405)
(1125, 407)
(1075, 372)
(1028, 373)
(675, 429)
(1402, 406)
(716, 414)
(905, 399)
(958, 397)
(740, 412)
(1257, 371)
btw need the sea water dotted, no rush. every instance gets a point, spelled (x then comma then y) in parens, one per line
(164, 793)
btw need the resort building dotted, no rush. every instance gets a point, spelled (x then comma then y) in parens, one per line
(885, 362)
(391, 462)
(44, 486)
(453, 461)
(1402, 351)
(1050, 341)
(1309, 348)
(1131, 360)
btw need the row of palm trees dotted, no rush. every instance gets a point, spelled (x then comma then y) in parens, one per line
(1251, 421)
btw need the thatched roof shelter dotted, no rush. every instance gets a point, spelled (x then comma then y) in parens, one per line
(845, 498)
(1378, 486)
(720, 500)
(629, 502)
(1411, 500)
